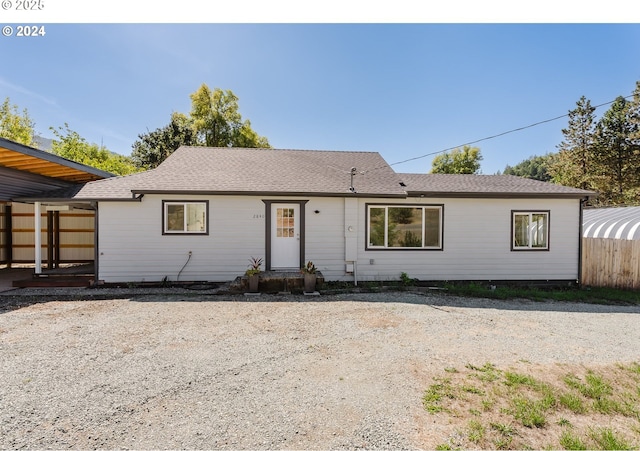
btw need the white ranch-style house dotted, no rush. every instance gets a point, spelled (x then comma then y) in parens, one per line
(204, 212)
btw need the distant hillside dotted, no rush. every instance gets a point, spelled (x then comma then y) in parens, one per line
(42, 143)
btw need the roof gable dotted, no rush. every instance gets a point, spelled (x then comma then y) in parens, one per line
(241, 170)
(208, 170)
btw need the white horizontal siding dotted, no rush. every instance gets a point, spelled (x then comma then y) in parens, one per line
(477, 244)
(133, 248)
(324, 244)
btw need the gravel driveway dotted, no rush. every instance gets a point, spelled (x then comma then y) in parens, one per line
(271, 372)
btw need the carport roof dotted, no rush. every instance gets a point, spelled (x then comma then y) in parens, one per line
(27, 159)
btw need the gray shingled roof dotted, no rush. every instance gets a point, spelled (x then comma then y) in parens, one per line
(465, 185)
(205, 170)
(209, 170)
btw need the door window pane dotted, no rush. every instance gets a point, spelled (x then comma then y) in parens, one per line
(285, 222)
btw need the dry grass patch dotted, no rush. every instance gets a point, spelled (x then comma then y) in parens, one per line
(538, 407)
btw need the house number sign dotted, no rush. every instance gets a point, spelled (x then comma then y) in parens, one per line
(258, 216)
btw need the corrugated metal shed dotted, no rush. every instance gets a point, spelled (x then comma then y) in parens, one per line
(622, 223)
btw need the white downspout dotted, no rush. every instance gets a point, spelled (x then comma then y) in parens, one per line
(38, 238)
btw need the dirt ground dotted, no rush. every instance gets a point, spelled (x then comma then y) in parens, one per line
(291, 372)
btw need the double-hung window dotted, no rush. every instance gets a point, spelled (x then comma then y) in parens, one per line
(185, 217)
(404, 226)
(529, 230)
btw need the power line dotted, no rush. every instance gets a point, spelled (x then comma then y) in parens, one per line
(498, 135)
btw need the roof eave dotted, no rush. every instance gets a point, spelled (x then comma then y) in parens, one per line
(501, 195)
(32, 199)
(269, 193)
(52, 158)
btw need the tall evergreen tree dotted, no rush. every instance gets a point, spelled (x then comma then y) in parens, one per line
(573, 164)
(633, 194)
(618, 153)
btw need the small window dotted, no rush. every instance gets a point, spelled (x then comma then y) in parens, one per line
(404, 227)
(185, 217)
(530, 230)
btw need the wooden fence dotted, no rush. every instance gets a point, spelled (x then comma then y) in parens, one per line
(608, 262)
(75, 235)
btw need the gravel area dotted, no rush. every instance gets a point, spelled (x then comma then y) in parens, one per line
(205, 371)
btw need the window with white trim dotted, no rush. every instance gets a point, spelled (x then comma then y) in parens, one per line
(185, 217)
(529, 230)
(404, 227)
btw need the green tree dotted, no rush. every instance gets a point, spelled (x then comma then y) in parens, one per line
(217, 121)
(154, 147)
(15, 126)
(618, 153)
(401, 215)
(575, 161)
(214, 121)
(458, 161)
(70, 145)
(633, 194)
(535, 167)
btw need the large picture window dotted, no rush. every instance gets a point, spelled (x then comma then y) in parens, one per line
(530, 230)
(185, 217)
(404, 227)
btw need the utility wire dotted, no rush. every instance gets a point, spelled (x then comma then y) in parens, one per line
(493, 136)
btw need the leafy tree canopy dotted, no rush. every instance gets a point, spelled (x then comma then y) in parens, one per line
(214, 121)
(152, 148)
(534, 167)
(458, 161)
(217, 121)
(15, 126)
(70, 145)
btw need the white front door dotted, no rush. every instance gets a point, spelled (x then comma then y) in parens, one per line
(285, 236)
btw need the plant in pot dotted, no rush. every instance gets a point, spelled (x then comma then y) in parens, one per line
(253, 273)
(309, 271)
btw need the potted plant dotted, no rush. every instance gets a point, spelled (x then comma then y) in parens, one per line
(309, 272)
(253, 273)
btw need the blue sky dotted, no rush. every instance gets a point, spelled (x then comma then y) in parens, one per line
(404, 90)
